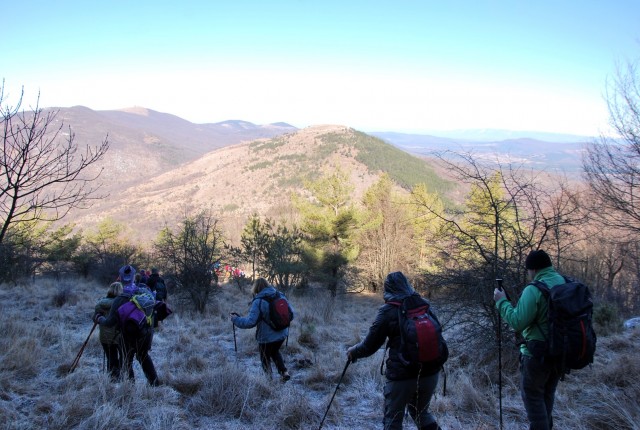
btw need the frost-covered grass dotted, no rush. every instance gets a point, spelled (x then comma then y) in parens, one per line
(207, 384)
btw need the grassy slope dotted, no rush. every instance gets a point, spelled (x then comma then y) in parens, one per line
(378, 155)
(208, 385)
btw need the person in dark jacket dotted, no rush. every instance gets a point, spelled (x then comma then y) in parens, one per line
(269, 339)
(156, 284)
(110, 336)
(137, 341)
(407, 386)
(539, 377)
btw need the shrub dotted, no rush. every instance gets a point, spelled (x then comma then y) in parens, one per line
(606, 319)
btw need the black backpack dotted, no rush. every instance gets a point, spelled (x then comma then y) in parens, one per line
(279, 312)
(421, 340)
(161, 290)
(571, 340)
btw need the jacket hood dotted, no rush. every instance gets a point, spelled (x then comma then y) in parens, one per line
(266, 292)
(397, 287)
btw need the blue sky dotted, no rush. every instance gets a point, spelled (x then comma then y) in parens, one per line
(408, 66)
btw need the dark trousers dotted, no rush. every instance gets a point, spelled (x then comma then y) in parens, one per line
(538, 382)
(271, 352)
(138, 344)
(412, 394)
(113, 353)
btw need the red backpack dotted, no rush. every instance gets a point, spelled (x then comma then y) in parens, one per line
(279, 312)
(420, 333)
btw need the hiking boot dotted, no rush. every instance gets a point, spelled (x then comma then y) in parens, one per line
(285, 376)
(432, 426)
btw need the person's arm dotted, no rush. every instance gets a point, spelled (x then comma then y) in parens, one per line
(524, 313)
(252, 318)
(375, 337)
(111, 319)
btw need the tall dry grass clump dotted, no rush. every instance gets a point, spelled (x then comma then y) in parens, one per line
(208, 384)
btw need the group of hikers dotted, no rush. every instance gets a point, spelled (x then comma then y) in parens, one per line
(406, 322)
(123, 337)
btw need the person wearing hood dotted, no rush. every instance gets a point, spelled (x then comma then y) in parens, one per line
(269, 339)
(407, 385)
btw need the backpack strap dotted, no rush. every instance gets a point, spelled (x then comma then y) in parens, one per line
(546, 293)
(386, 348)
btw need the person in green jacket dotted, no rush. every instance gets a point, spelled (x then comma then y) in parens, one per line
(110, 336)
(539, 377)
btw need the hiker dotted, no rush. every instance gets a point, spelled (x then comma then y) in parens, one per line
(143, 276)
(157, 285)
(137, 340)
(407, 385)
(110, 336)
(269, 339)
(539, 377)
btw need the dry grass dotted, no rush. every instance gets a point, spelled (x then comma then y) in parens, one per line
(210, 385)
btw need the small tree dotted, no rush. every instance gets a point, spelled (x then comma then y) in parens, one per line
(283, 256)
(36, 247)
(274, 252)
(189, 254)
(386, 236)
(43, 174)
(329, 222)
(104, 250)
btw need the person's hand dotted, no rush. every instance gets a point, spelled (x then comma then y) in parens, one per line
(96, 317)
(233, 316)
(350, 353)
(499, 295)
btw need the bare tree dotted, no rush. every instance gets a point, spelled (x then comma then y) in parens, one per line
(507, 213)
(43, 172)
(612, 164)
(188, 256)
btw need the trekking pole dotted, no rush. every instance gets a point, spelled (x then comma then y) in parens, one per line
(334, 393)
(235, 344)
(499, 281)
(77, 359)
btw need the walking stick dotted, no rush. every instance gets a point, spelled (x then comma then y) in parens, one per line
(334, 393)
(77, 359)
(235, 345)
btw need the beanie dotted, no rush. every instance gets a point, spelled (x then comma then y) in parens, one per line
(127, 273)
(537, 260)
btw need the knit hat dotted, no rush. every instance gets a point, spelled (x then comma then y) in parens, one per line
(537, 260)
(127, 273)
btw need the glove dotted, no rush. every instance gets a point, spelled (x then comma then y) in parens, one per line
(350, 352)
(96, 317)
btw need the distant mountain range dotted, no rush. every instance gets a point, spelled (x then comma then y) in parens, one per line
(563, 154)
(160, 167)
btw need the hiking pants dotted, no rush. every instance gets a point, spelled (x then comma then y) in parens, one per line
(271, 351)
(538, 383)
(113, 354)
(139, 345)
(414, 394)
